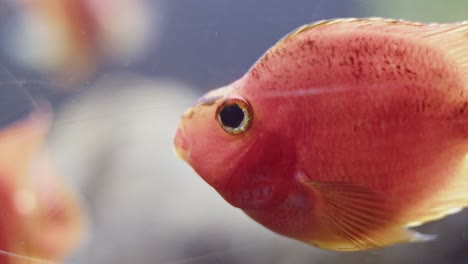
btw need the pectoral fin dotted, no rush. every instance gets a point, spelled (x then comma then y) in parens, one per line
(361, 218)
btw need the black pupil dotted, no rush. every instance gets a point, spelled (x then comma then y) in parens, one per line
(232, 116)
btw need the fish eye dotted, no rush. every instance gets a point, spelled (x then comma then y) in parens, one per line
(234, 115)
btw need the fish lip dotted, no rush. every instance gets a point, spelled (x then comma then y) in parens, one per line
(180, 153)
(180, 145)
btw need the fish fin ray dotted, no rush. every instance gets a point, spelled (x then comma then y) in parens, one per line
(356, 22)
(453, 39)
(362, 218)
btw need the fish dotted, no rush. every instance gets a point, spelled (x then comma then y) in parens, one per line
(57, 37)
(71, 40)
(344, 135)
(42, 220)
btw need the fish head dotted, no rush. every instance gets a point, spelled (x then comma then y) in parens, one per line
(222, 139)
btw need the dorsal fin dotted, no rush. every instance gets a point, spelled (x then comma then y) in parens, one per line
(348, 22)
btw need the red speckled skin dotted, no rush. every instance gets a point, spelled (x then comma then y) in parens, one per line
(374, 104)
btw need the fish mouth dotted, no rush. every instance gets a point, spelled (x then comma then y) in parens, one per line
(180, 145)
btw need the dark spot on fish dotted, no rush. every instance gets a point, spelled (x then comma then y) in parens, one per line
(463, 108)
(365, 47)
(277, 76)
(391, 76)
(329, 62)
(360, 68)
(357, 53)
(398, 67)
(255, 74)
(351, 58)
(356, 75)
(310, 44)
(358, 71)
(355, 128)
(398, 53)
(313, 61)
(410, 72)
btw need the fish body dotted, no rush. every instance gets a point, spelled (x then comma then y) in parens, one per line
(41, 217)
(69, 40)
(342, 135)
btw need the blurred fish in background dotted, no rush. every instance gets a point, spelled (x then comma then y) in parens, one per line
(69, 40)
(41, 218)
(135, 66)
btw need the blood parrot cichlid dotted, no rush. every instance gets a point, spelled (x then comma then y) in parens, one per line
(343, 135)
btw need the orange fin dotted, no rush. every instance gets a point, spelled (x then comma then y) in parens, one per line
(450, 200)
(361, 218)
(453, 39)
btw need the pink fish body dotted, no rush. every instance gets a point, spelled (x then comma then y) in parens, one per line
(343, 135)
